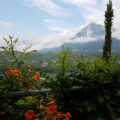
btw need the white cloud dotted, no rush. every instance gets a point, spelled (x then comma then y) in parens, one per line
(57, 40)
(90, 10)
(57, 29)
(56, 25)
(80, 2)
(47, 6)
(1, 41)
(39, 42)
(116, 34)
(93, 10)
(116, 20)
(6, 24)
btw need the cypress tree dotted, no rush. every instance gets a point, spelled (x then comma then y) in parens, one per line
(108, 25)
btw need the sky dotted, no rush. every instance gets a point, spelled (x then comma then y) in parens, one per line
(40, 22)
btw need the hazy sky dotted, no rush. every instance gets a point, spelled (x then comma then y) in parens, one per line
(38, 20)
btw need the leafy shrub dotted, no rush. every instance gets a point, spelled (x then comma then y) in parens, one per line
(15, 77)
(99, 93)
(13, 56)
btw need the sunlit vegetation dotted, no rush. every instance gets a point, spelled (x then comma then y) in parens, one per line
(95, 77)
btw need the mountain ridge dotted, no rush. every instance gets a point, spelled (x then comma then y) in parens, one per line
(89, 38)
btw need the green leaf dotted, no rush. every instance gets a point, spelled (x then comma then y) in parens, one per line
(7, 41)
(16, 40)
(4, 48)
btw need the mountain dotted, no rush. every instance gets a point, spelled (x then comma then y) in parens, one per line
(93, 46)
(92, 30)
(89, 38)
(86, 47)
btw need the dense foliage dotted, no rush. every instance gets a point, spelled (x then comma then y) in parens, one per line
(17, 77)
(99, 93)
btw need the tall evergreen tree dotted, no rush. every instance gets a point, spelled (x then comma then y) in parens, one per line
(108, 25)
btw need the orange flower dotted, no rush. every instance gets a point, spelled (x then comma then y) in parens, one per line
(20, 79)
(9, 70)
(50, 110)
(52, 102)
(29, 114)
(37, 76)
(59, 115)
(67, 116)
(16, 72)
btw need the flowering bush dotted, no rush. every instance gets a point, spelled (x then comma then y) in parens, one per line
(17, 76)
(46, 111)
(24, 78)
(16, 79)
